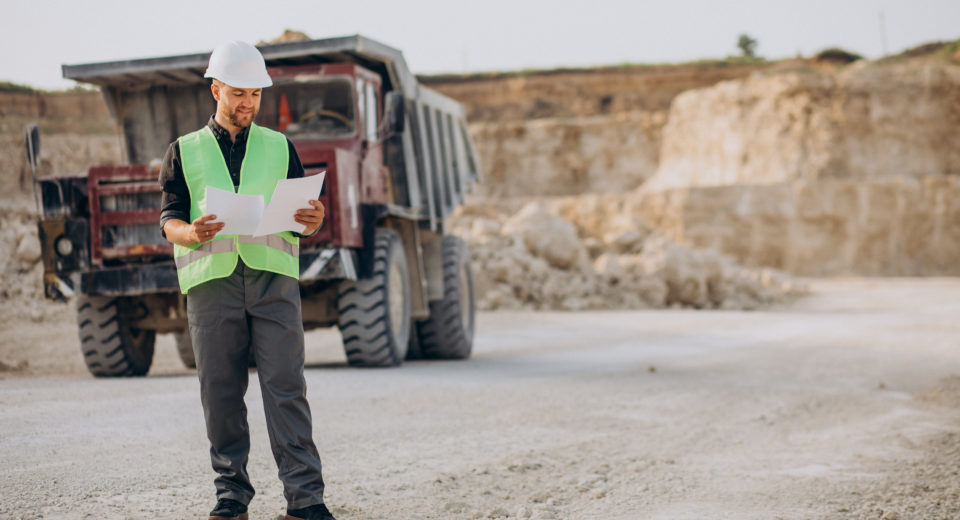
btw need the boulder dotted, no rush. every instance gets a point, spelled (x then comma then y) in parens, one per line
(28, 249)
(545, 235)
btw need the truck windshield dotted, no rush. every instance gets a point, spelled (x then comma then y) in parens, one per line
(319, 107)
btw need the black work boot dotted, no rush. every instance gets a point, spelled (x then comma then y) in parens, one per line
(315, 512)
(227, 508)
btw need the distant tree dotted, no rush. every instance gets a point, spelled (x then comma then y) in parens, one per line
(837, 55)
(6, 86)
(747, 46)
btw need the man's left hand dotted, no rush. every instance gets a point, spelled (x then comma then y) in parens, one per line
(312, 218)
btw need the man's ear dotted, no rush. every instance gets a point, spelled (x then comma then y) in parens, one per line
(215, 90)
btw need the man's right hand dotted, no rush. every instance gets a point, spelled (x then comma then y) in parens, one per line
(202, 230)
(199, 231)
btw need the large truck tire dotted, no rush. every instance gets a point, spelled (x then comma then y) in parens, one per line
(448, 332)
(413, 346)
(185, 349)
(375, 312)
(111, 348)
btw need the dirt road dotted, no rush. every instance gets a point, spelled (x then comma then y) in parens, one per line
(845, 404)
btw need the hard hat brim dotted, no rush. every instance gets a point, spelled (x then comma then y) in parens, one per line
(263, 81)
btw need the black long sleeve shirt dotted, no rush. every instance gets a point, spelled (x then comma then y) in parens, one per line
(175, 198)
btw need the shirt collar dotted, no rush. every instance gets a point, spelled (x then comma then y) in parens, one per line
(222, 134)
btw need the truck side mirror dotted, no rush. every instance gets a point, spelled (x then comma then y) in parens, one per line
(32, 142)
(394, 112)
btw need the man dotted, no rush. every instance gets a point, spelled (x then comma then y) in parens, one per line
(242, 291)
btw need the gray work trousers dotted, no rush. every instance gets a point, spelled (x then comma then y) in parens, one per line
(258, 310)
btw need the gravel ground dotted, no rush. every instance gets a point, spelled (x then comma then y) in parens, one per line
(844, 404)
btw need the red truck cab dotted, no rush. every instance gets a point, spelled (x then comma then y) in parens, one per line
(331, 113)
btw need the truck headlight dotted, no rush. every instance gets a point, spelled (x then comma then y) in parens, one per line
(64, 246)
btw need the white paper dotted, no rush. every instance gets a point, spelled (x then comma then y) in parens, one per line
(289, 196)
(240, 213)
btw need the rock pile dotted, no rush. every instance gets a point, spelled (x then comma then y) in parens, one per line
(21, 271)
(560, 254)
(534, 258)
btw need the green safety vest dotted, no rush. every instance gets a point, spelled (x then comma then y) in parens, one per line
(265, 162)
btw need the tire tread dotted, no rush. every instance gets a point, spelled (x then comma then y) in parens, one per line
(107, 346)
(364, 318)
(442, 335)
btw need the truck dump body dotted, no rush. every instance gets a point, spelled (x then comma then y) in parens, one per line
(433, 163)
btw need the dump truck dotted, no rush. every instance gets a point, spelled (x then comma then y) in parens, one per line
(398, 160)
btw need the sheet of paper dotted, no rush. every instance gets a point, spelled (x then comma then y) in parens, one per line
(239, 213)
(289, 196)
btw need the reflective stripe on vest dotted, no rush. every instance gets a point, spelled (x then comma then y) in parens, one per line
(265, 163)
(227, 245)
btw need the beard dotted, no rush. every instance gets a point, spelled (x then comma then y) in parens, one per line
(235, 118)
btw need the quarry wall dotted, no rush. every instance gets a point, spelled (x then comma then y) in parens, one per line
(568, 156)
(891, 226)
(850, 172)
(813, 171)
(864, 121)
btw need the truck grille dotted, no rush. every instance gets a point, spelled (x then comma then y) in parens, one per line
(130, 201)
(125, 214)
(130, 235)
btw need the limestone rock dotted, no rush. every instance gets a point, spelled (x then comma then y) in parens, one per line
(653, 291)
(563, 156)
(510, 274)
(625, 241)
(28, 249)
(862, 122)
(897, 226)
(545, 235)
(608, 266)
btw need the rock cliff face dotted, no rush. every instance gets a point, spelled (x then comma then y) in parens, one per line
(60, 154)
(568, 156)
(567, 132)
(522, 96)
(854, 172)
(875, 227)
(76, 132)
(73, 111)
(867, 121)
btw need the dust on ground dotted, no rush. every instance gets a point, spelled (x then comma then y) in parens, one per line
(840, 405)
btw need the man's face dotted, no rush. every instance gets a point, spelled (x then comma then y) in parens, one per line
(237, 105)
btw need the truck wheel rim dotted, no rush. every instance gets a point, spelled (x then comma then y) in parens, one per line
(465, 299)
(396, 300)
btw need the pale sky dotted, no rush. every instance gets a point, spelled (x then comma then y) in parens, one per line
(37, 36)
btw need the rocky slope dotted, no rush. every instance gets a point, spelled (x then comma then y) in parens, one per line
(853, 170)
(568, 156)
(595, 131)
(898, 226)
(864, 121)
(566, 132)
(567, 93)
(817, 170)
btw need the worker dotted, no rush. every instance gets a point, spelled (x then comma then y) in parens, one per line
(243, 294)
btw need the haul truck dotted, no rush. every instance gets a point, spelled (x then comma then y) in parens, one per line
(398, 160)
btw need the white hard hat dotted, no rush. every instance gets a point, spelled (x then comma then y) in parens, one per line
(238, 64)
